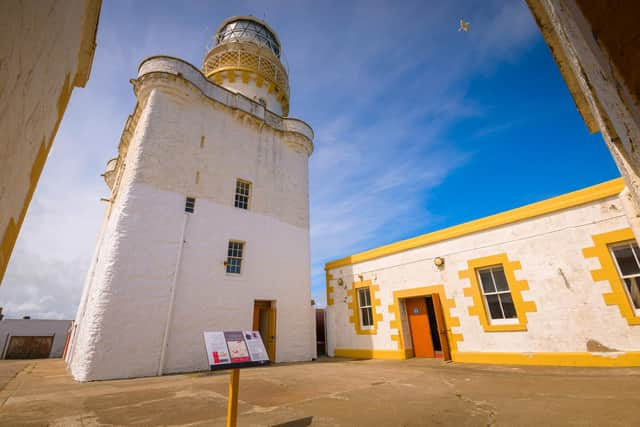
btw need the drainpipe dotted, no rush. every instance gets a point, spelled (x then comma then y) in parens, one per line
(167, 326)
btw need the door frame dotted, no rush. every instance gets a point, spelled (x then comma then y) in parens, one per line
(445, 303)
(270, 307)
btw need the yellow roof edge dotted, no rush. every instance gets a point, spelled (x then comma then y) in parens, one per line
(564, 201)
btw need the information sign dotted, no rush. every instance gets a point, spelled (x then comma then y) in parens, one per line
(235, 349)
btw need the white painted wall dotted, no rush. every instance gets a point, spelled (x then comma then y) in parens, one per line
(34, 328)
(121, 324)
(47, 49)
(568, 314)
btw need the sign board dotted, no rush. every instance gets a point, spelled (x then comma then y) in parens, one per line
(235, 349)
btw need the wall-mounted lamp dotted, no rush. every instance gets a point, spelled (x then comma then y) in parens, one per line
(438, 261)
(340, 282)
(361, 277)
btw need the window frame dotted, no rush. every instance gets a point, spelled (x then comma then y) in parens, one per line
(362, 307)
(242, 257)
(629, 244)
(517, 286)
(236, 194)
(490, 319)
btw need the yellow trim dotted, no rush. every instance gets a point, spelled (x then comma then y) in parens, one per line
(446, 303)
(515, 286)
(631, 358)
(232, 405)
(245, 77)
(260, 79)
(583, 359)
(355, 310)
(329, 277)
(12, 229)
(356, 353)
(608, 271)
(565, 201)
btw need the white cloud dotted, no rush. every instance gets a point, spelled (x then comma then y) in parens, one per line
(381, 83)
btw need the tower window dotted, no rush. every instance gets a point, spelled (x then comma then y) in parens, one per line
(190, 204)
(243, 192)
(234, 257)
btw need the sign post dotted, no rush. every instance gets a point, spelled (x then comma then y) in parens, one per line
(232, 408)
(234, 350)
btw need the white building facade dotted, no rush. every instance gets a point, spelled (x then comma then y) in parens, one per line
(552, 283)
(207, 227)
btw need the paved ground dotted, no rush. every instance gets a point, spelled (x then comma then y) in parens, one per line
(334, 392)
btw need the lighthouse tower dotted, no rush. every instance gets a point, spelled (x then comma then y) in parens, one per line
(207, 225)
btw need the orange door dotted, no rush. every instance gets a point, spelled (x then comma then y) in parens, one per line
(419, 324)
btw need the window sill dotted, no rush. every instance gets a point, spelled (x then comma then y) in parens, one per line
(503, 322)
(505, 327)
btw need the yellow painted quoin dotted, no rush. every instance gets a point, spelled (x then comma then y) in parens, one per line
(515, 287)
(329, 277)
(609, 273)
(355, 311)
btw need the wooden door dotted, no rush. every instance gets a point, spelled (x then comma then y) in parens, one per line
(264, 320)
(271, 339)
(29, 347)
(419, 325)
(442, 327)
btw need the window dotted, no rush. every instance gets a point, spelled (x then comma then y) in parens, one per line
(243, 189)
(190, 205)
(496, 293)
(627, 256)
(234, 257)
(364, 304)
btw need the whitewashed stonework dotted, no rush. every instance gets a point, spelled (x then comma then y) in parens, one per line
(158, 273)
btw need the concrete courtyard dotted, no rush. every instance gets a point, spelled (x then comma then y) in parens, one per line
(331, 392)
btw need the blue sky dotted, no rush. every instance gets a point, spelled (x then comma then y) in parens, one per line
(418, 126)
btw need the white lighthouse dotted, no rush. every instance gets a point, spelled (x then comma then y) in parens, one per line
(207, 227)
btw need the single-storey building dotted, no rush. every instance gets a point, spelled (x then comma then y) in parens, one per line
(32, 338)
(552, 283)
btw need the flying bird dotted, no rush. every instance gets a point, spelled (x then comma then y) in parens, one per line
(464, 26)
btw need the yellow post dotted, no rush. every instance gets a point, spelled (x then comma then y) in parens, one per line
(232, 409)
